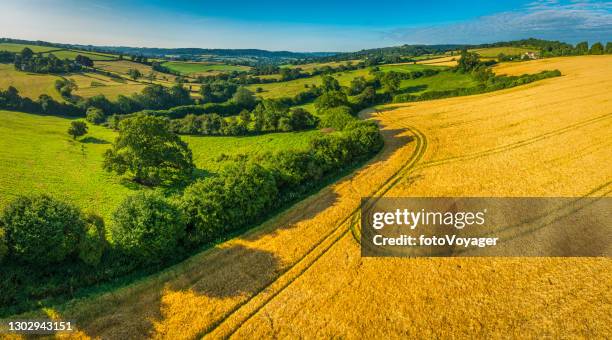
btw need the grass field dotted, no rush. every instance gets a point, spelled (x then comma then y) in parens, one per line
(440, 82)
(19, 47)
(40, 157)
(293, 87)
(449, 61)
(301, 275)
(71, 54)
(493, 52)
(29, 85)
(123, 66)
(311, 66)
(202, 68)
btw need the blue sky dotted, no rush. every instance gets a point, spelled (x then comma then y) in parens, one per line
(302, 26)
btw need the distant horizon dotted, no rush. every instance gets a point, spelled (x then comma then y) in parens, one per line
(320, 26)
(289, 51)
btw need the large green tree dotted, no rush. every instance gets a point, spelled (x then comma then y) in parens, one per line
(597, 48)
(148, 150)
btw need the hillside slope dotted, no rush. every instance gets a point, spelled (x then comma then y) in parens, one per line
(301, 274)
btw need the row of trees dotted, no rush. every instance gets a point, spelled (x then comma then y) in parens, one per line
(38, 63)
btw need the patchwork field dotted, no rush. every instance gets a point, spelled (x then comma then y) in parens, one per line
(301, 274)
(293, 87)
(311, 66)
(29, 85)
(449, 61)
(122, 67)
(19, 47)
(71, 54)
(493, 52)
(40, 157)
(202, 68)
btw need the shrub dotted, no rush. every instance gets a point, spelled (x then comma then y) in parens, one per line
(93, 241)
(147, 227)
(241, 194)
(77, 129)
(41, 230)
(95, 115)
(3, 245)
(337, 118)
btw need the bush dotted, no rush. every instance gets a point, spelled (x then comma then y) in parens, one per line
(93, 242)
(77, 129)
(337, 118)
(241, 194)
(147, 227)
(95, 115)
(41, 230)
(3, 245)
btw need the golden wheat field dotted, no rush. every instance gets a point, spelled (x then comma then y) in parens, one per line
(300, 275)
(443, 61)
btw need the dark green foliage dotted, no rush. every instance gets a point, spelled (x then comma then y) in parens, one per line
(11, 100)
(41, 230)
(3, 244)
(93, 241)
(65, 87)
(134, 73)
(29, 62)
(77, 129)
(331, 99)
(148, 150)
(468, 61)
(358, 84)
(217, 92)
(147, 227)
(95, 115)
(492, 84)
(609, 47)
(291, 73)
(582, 48)
(84, 61)
(240, 195)
(330, 84)
(244, 98)
(597, 48)
(337, 118)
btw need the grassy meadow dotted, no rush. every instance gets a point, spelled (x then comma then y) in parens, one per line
(202, 68)
(40, 157)
(29, 85)
(293, 87)
(301, 273)
(493, 52)
(11, 47)
(71, 54)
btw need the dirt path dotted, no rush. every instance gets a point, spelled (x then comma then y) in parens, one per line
(301, 274)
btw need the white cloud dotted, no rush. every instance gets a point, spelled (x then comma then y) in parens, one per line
(547, 19)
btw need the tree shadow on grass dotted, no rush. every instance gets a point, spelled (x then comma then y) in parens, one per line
(412, 89)
(94, 140)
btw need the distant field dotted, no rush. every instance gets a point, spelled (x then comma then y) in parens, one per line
(40, 157)
(442, 61)
(293, 87)
(409, 67)
(19, 47)
(29, 85)
(123, 66)
(493, 52)
(196, 68)
(441, 82)
(310, 67)
(71, 54)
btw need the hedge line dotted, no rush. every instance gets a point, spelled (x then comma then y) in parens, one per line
(45, 263)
